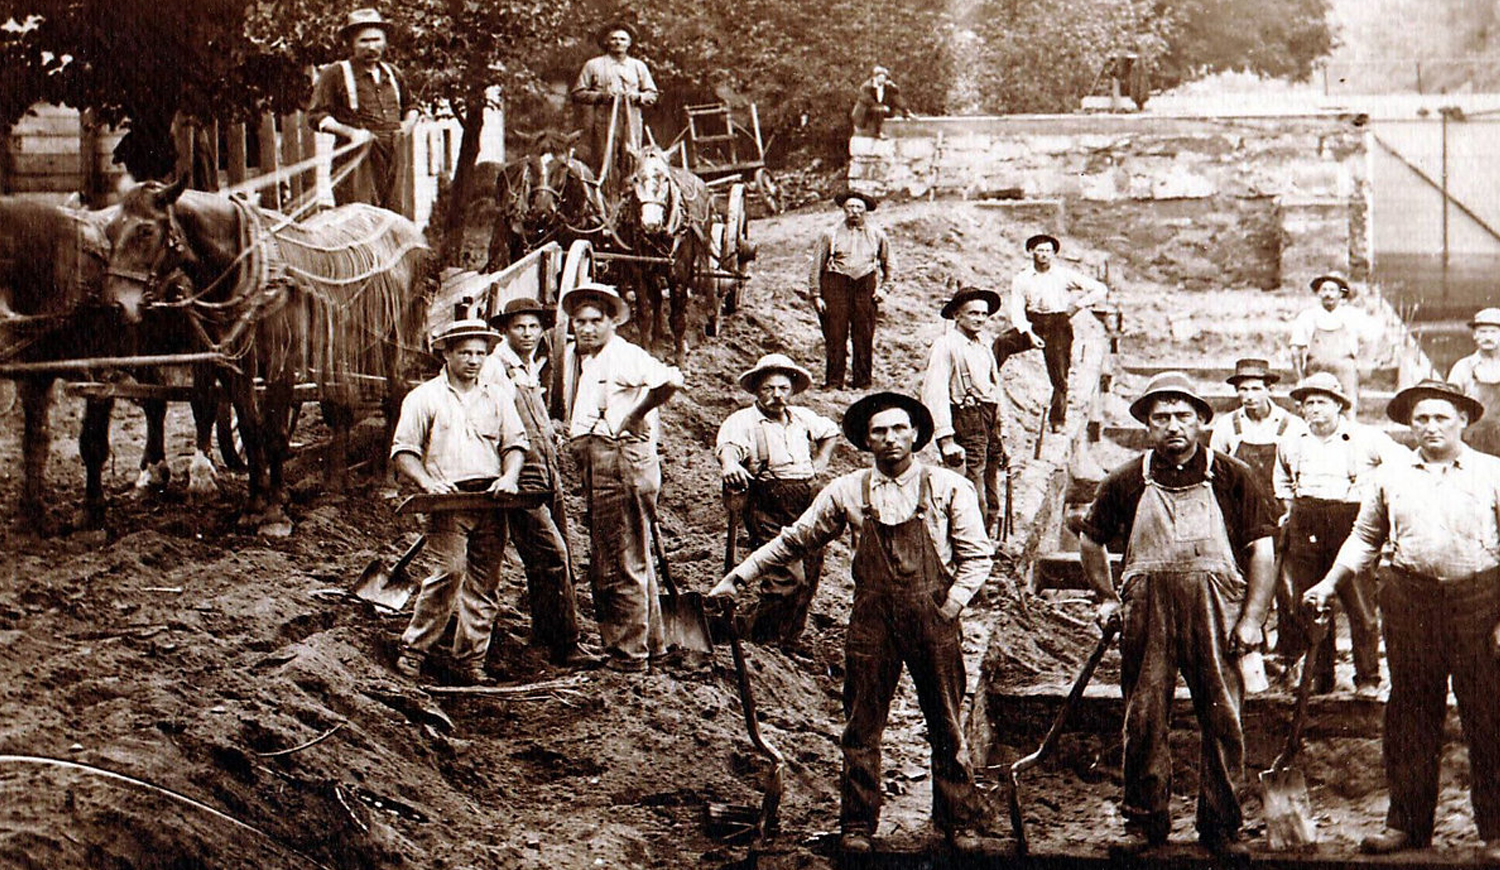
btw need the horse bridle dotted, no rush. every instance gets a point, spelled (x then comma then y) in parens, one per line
(174, 244)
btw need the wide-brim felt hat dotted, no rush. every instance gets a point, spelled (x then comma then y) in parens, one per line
(523, 305)
(459, 330)
(1324, 383)
(776, 363)
(1176, 384)
(1485, 317)
(856, 422)
(1041, 238)
(603, 33)
(1400, 406)
(359, 19)
(1335, 278)
(871, 203)
(599, 294)
(1253, 368)
(966, 295)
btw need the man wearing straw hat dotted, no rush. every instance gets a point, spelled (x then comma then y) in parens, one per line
(1326, 337)
(538, 532)
(1322, 472)
(961, 387)
(1478, 375)
(851, 266)
(1044, 296)
(611, 390)
(920, 555)
(1438, 509)
(771, 452)
(363, 99)
(1251, 432)
(614, 84)
(459, 433)
(1194, 524)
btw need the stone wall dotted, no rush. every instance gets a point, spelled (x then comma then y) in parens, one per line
(1300, 180)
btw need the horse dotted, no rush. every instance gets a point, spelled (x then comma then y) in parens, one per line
(52, 265)
(335, 300)
(667, 216)
(548, 195)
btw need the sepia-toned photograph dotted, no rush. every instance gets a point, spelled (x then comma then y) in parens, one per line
(782, 435)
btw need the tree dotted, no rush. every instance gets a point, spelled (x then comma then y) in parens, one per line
(1273, 38)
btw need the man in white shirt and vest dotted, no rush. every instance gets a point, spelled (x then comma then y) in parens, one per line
(851, 266)
(459, 433)
(920, 555)
(1322, 474)
(1043, 299)
(1438, 509)
(364, 99)
(613, 389)
(1478, 375)
(1251, 432)
(961, 387)
(1326, 337)
(771, 451)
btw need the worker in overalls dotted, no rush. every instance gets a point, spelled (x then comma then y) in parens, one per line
(1326, 337)
(1251, 432)
(920, 555)
(1322, 473)
(1195, 525)
(1478, 375)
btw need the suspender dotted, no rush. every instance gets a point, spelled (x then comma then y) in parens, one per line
(762, 448)
(353, 90)
(924, 492)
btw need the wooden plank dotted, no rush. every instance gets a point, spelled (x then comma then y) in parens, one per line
(91, 187)
(1064, 570)
(268, 162)
(182, 137)
(291, 150)
(32, 144)
(51, 124)
(47, 164)
(212, 141)
(234, 153)
(59, 183)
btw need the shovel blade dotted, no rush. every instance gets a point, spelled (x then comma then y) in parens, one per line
(1287, 810)
(377, 586)
(685, 623)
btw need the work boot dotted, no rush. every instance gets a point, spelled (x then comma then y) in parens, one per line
(1143, 835)
(1367, 689)
(578, 656)
(472, 675)
(1226, 845)
(1388, 841)
(965, 841)
(409, 664)
(856, 843)
(626, 665)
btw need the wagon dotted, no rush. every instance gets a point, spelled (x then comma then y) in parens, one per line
(721, 150)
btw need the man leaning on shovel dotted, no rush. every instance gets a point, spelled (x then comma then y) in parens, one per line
(920, 555)
(459, 433)
(1194, 520)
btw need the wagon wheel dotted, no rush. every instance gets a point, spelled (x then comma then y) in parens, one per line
(735, 250)
(769, 193)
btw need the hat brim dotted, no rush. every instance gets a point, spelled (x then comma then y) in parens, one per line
(547, 316)
(1269, 377)
(1343, 284)
(347, 29)
(801, 378)
(1475, 324)
(440, 343)
(963, 297)
(1140, 409)
(856, 423)
(619, 311)
(871, 203)
(1300, 394)
(1039, 238)
(1400, 407)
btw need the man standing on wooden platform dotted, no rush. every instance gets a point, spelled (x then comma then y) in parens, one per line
(1439, 510)
(1043, 299)
(1478, 375)
(1322, 473)
(1194, 524)
(538, 531)
(364, 99)
(612, 391)
(920, 555)
(961, 387)
(771, 451)
(851, 266)
(459, 433)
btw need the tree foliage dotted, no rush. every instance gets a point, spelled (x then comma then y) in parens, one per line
(1273, 38)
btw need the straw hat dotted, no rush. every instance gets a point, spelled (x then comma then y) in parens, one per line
(1486, 317)
(603, 295)
(1324, 383)
(1402, 403)
(1175, 384)
(776, 363)
(459, 330)
(857, 418)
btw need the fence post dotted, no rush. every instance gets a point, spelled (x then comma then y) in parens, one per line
(234, 148)
(90, 186)
(269, 198)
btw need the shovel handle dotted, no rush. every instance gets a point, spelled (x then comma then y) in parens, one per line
(411, 553)
(1315, 633)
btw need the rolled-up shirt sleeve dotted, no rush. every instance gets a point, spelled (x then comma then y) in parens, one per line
(973, 554)
(733, 439)
(412, 427)
(512, 430)
(1362, 547)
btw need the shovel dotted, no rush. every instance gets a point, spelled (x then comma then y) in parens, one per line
(389, 589)
(738, 822)
(1017, 818)
(683, 620)
(1285, 804)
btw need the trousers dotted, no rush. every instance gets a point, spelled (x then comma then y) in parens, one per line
(549, 585)
(1315, 530)
(469, 546)
(848, 318)
(1435, 632)
(786, 593)
(976, 428)
(621, 480)
(1057, 331)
